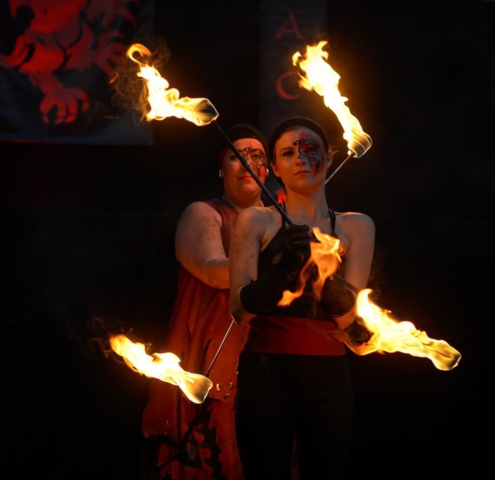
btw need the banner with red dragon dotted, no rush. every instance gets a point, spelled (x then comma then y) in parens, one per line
(57, 60)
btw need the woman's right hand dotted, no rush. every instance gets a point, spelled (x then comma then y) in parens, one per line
(297, 249)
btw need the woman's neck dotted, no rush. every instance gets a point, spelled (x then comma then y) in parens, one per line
(302, 208)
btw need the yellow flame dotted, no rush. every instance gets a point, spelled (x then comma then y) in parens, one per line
(165, 102)
(324, 80)
(325, 255)
(163, 366)
(390, 335)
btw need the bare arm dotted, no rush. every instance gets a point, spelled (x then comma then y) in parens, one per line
(359, 229)
(245, 247)
(198, 245)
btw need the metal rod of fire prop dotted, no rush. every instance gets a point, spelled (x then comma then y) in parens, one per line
(207, 374)
(338, 168)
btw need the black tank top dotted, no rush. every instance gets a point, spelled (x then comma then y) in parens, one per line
(305, 306)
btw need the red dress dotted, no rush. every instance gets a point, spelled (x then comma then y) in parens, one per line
(198, 441)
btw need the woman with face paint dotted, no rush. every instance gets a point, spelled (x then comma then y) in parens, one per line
(190, 441)
(293, 379)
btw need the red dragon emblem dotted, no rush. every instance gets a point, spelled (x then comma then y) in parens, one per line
(51, 43)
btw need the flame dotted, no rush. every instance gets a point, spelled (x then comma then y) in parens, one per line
(325, 255)
(280, 195)
(322, 78)
(164, 366)
(391, 336)
(165, 102)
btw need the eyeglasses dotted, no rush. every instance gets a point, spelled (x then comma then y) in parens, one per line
(254, 156)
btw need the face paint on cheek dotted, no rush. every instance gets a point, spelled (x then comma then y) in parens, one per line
(309, 150)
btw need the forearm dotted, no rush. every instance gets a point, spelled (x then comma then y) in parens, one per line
(214, 272)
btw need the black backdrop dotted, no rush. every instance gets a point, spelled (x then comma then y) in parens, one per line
(90, 229)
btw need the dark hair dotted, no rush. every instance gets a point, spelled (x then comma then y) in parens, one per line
(243, 131)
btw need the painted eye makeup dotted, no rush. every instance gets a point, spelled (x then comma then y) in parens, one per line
(309, 149)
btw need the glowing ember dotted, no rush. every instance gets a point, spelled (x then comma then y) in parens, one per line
(325, 255)
(324, 80)
(165, 102)
(164, 366)
(392, 336)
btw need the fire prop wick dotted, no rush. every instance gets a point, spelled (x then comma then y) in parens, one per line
(320, 77)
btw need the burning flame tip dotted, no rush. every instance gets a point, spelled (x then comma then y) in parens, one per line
(163, 366)
(320, 77)
(391, 335)
(165, 102)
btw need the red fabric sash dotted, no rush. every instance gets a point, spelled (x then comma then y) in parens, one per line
(291, 335)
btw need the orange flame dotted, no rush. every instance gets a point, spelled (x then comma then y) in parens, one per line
(325, 255)
(392, 336)
(164, 366)
(165, 102)
(322, 78)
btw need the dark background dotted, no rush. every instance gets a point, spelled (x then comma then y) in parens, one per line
(89, 230)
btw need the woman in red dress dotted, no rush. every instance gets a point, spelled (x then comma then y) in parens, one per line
(198, 441)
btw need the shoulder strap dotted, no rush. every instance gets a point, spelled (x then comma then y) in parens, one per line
(332, 219)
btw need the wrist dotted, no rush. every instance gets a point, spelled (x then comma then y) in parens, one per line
(357, 332)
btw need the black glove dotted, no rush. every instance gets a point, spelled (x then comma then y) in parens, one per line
(357, 332)
(337, 300)
(262, 295)
(297, 249)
